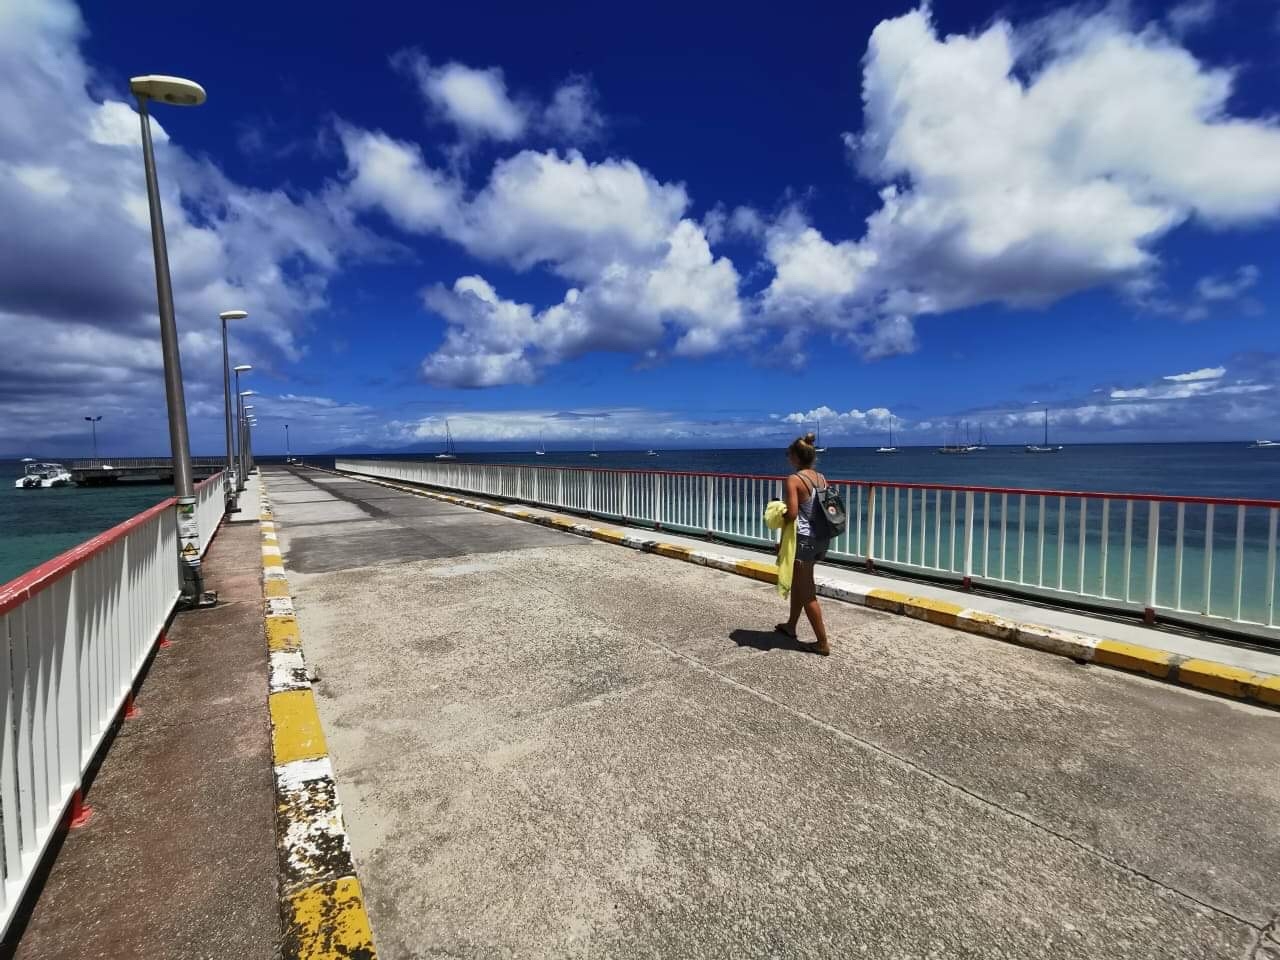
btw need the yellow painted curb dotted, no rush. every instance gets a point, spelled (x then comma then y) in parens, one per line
(1130, 656)
(672, 551)
(295, 727)
(325, 920)
(1269, 691)
(765, 572)
(934, 611)
(1218, 677)
(275, 588)
(604, 533)
(328, 921)
(889, 600)
(282, 634)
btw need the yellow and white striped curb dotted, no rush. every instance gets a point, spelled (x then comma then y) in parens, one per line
(321, 902)
(1218, 678)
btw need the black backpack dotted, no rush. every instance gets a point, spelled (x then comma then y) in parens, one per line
(830, 520)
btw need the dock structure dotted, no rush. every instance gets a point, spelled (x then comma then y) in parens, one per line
(494, 730)
(107, 471)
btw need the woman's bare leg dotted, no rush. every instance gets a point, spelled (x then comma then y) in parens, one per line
(805, 593)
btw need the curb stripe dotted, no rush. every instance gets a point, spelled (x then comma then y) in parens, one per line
(1206, 675)
(321, 902)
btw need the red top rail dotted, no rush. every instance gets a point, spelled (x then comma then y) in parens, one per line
(1027, 491)
(23, 588)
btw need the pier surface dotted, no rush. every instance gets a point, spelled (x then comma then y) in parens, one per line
(547, 746)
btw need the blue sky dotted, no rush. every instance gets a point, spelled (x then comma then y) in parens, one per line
(688, 228)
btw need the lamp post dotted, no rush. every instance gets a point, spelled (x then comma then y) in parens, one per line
(288, 454)
(242, 368)
(183, 93)
(228, 484)
(93, 423)
(244, 438)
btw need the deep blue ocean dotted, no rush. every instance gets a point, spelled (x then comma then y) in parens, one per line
(37, 525)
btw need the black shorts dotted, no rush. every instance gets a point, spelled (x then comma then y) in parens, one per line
(811, 549)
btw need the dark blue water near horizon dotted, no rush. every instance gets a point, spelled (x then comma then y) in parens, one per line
(37, 525)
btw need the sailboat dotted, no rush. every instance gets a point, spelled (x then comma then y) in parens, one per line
(1264, 444)
(956, 447)
(448, 452)
(890, 448)
(1036, 448)
(593, 454)
(817, 439)
(542, 447)
(982, 442)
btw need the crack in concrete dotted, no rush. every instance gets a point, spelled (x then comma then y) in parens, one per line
(1264, 934)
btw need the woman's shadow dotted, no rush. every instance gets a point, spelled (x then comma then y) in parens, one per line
(767, 640)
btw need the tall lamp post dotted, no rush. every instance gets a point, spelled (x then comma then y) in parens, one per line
(237, 370)
(244, 438)
(182, 93)
(93, 422)
(288, 454)
(229, 483)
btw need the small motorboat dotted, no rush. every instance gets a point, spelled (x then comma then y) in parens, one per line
(42, 476)
(651, 453)
(1264, 444)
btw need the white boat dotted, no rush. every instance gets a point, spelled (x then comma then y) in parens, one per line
(982, 441)
(542, 447)
(1037, 448)
(817, 439)
(1264, 444)
(890, 448)
(651, 453)
(593, 454)
(42, 476)
(448, 452)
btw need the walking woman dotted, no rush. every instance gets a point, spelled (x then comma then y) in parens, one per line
(811, 546)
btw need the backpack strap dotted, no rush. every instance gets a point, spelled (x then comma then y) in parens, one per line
(813, 487)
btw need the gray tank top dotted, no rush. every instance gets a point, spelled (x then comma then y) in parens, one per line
(808, 508)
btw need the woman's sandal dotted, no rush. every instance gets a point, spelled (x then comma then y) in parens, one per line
(818, 647)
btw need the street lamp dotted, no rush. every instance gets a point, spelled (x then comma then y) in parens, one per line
(182, 93)
(228, 483)
(288, 454)
(244, 437)
(93, 422)
(242, 368)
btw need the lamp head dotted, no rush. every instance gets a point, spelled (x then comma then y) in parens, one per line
(243, 368)
(233, 314)
(171, 90)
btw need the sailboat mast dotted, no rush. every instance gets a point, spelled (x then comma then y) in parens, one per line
(1046, 426)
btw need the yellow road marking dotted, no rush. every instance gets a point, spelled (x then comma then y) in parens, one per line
(1130, 656)
(295, 727)
(275, 588)
(328, 921)
(282, 634)
(1218, 677)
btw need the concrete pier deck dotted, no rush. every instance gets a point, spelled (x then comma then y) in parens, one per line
(547, 746)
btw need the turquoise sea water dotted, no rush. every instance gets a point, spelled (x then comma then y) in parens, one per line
(37, 525)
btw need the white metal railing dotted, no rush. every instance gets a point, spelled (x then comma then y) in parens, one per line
(78, 630)
(1200, 559)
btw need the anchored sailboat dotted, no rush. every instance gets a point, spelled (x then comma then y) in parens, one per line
(890, 448)
(593, 452)
(817, 438)
(542, 447)
(1045, 448)
(448, 452)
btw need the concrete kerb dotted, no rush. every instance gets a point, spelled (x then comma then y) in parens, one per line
(1206, 675)
(321, 902)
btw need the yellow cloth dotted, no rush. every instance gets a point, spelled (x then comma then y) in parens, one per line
(775, 518)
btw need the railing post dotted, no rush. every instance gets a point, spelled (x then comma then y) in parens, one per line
(1153, 546)
(560, 488)
(657, 501)
(968, 540)
(871, 527)
(625, 479)
(711, 499)
(591, 491)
